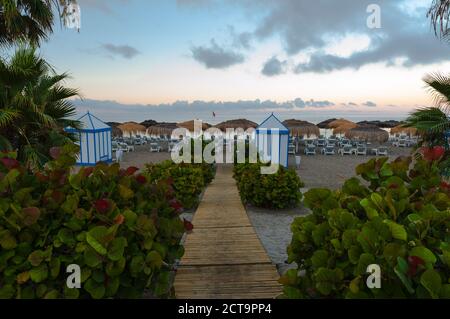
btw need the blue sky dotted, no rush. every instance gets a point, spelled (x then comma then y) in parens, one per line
(178, 60)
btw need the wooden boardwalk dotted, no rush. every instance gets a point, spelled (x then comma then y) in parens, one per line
(223, 255)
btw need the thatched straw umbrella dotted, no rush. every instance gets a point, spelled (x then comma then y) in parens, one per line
(189, 125)
(301, 128)
(162, 129)
(235, 124)
(368, 133)
(340, 122)
(117, 132)
(324, 124)
(344, 128)
(411, 131)
(132, 128)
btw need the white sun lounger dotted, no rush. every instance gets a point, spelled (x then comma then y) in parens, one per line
(310, 151)
(361, 151)
(154, 147)
(328, 151)
(346, 150)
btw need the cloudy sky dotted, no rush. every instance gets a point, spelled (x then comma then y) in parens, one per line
(178, 60)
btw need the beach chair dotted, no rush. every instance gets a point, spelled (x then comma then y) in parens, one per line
(310, 150)
(346, 150)
(361, 151)
(291, 149)
(331, 141)
(154, 147)
(329, 150)
(382, 151)
(320, 142)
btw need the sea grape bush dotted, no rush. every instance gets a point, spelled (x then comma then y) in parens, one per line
(279, 190)
(188, 180)
(121, 228)
(399, 219)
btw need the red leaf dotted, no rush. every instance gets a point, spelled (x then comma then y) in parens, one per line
(41, 177)
(88, 171)
(433, 153)
(176, 205)
(131, 170)
(31, 215)
(102, 205)
(10, 163)
(119, 219)
(141, 179)
(188, 225)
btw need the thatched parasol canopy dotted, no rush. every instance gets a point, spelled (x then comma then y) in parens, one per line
(115, 130)
(132, 127)
(368, 133)
(162, 129)
(189, 125)
(301, 128)
(411, 131)
(234, 124)
(344, 128)
(324, 124)
(340, 122)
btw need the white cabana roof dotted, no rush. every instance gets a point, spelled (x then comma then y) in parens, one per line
(272, 123)
(90, 123)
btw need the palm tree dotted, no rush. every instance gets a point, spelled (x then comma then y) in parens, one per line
(34, 105)
(25, 20)
(439, 13)
(433, 122)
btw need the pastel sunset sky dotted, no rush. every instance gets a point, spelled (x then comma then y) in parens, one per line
(177, 60)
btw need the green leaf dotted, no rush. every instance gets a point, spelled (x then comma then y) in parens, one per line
(7, 291)
(91, 258)
(95, 289)
(7, 241)
(116, 248)
(431, 280)
(368, 207)
(39, 274)
(93, 237)
(354, 285)
(424, 253)
(319, 259)
(397, 231)
(115, 268)
(36, 257)
(125, 192)
(154, 259)
(71, 293)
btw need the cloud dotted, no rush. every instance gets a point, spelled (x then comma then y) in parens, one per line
(369, 104)
(307, 26)
(125, 51)
(274, 67)
(216, 57)
(184, 110)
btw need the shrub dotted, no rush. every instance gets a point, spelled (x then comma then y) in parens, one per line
(279, 190)
(400, 222)
(188, 180)
(122, 229)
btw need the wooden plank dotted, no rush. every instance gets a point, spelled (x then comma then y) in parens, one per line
(223, 256)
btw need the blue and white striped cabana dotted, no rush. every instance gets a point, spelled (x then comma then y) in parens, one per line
(94, 139)
(272, 140)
